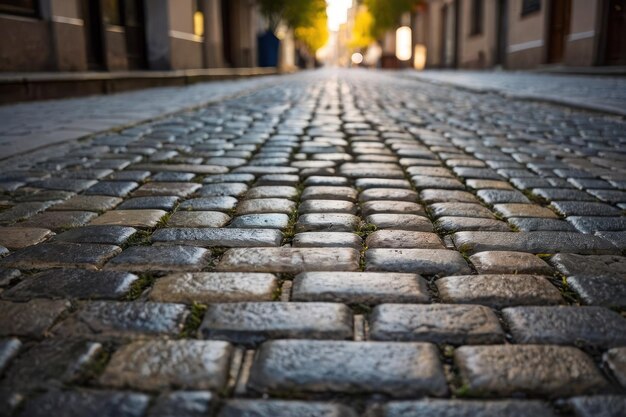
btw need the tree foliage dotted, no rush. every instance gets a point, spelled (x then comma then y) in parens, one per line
(315, 35)
(362, 29)
(386, 13)
(294, 13)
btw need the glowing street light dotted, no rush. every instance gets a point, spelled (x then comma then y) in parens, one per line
(357, 58)
(404, 39)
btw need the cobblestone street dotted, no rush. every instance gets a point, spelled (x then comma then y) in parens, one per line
(323, 244)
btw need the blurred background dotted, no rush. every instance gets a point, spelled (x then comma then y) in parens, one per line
(169, 35)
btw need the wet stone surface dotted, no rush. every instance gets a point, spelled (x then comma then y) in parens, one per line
(362, 242)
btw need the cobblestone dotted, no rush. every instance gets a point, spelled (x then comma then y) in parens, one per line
(439, 323)
(348, 367)
(498, 290)
(505, 370)
(252, 323)
(163, 364)
(362, 206)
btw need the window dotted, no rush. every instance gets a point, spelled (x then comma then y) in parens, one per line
(476, 26)
(111, 12)
(530, 6)
(198, 19)
(20, 7)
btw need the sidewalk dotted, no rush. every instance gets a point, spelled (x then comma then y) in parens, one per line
(28, 126)
(603, 94)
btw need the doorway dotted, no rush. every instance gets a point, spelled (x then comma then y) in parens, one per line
(558, 29)
(501, 33)
(227, 46)
(615, 44)
(134, 26)
(92, 15)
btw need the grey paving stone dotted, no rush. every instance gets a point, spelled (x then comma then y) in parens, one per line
(142, 203)
(327, 240)
(278, 179)
(61, 255)
(233, 189)
(618, 239)
(116, 319)
(225, 203)
(51, 363)
(501, 196)
(173, 176)
(536, 224)
(318, 180)
(261, 221)
(598, 405)
(8, 276)
(460, 210)
(209, 237)
(588, 326)
(498, 290)
(252, 323)
(165, 364)
(213, 179)
(281, 408)
(131, 218)
(524, 210)
(97, 203)
(465, 408)
(430, 171)
(506, 262)
(272, 191)
(183, 404)
(548, 371)
(327, 222)
(266, 205)
(111, 235)
(615, 360)
(457, 224)
(58, 220)
(400, 222)
(422, 261)
(582, 208)
(194, 169)
(422, 182)
(329, 193)
(403, 239)
(532, 242)
(160, 258)
(87, 402)
(21, 237)
(556, 194)
(289, 260)
(63, 184)
(72, 283)
(360, 287)
(590, 224)
(431, 196)
(395, 369)
(391, 207)
(23, 211)
(488, 184)
(438, 323)
(367, 183)
(8, 350)
(212, 287)
(112, 188)
(327, 206)
(198, 219)
(129, 175)
(388, 194)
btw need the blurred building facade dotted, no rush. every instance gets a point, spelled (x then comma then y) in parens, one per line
(521, 34)
(110, 35)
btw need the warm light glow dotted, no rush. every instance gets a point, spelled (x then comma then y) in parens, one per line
(404, 39)
(337, 11)
(357, 58)
(419, 57)
(198, 24)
